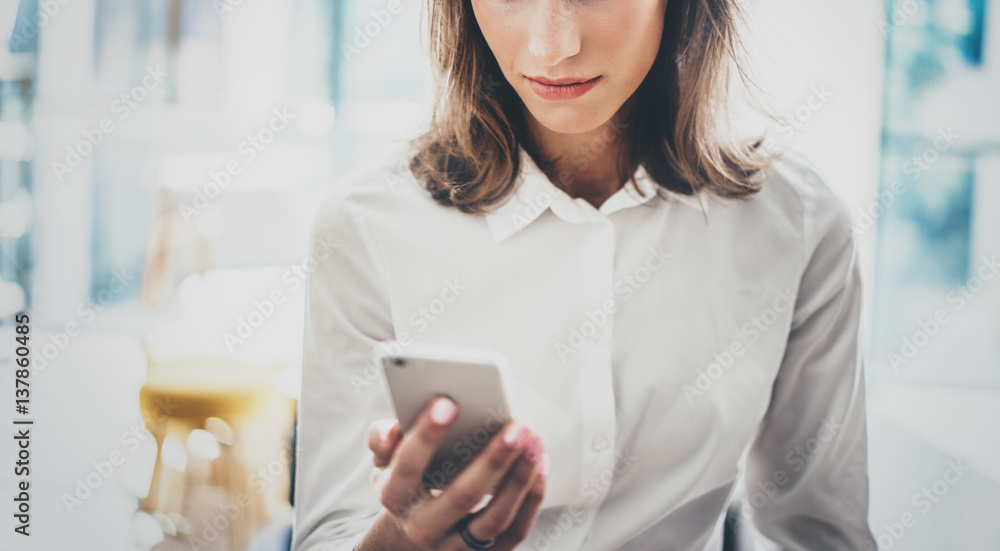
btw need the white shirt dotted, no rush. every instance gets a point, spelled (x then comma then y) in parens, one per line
(662, 352)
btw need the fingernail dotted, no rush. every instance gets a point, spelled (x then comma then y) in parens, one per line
(515, 435)
(535, 446)
(383, 432)
(443, 411)
(543, 466)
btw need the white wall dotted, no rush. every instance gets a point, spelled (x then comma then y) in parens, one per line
(835, 47)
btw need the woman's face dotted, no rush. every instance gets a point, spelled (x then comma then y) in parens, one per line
(609, 45)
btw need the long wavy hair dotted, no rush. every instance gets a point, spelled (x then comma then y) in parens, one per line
(469, 159)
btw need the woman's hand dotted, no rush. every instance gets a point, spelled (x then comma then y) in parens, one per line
(511, 466)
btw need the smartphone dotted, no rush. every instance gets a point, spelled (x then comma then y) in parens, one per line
(476, 379)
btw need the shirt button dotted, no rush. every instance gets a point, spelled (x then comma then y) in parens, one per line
(600, 444)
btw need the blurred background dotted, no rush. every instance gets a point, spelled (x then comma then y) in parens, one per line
(161, 160)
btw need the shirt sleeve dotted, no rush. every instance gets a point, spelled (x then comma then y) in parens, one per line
(806, 479)
(347, 312)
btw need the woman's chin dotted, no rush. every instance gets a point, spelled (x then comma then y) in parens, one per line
(567, 119)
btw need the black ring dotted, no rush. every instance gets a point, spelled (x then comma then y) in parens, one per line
(471, 541)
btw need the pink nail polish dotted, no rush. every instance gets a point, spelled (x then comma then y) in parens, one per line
(383, 432)
(515, 435)
(543, 466)
(534, 447)
(443, 411)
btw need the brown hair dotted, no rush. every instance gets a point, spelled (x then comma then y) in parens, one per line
(469, 158)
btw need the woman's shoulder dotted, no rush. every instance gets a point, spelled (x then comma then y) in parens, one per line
(382, 186)
(378, 178)
(796, 191)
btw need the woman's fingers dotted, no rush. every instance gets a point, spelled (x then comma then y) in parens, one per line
(524, 518)
(498, 515)
(475, 480)
(511, 465)
(524, 521)
(382, 438)
(403, 476)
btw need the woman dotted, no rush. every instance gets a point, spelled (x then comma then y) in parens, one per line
(680, 310)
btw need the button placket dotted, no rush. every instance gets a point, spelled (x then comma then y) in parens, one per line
(597, 383)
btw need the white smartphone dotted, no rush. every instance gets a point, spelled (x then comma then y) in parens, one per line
(476, 379)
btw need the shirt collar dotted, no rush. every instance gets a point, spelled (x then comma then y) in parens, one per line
(534, 193)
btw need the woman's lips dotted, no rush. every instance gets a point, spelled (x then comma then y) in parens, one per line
(556, 92)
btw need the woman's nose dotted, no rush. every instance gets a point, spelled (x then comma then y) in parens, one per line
(554, 32)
